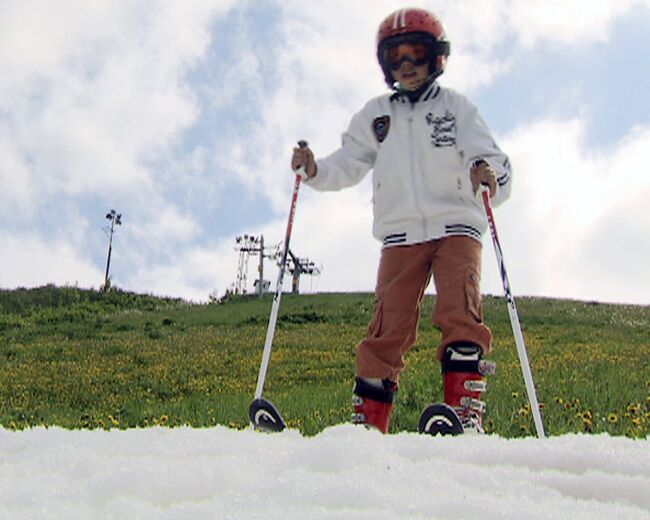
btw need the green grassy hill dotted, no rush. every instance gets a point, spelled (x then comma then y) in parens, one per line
(81, 359)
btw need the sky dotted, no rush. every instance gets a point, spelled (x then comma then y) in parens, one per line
(181, 116)
(343, 473)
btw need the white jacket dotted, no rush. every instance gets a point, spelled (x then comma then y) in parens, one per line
(421, 154)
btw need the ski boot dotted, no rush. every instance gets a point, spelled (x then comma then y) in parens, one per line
(373, 404)
(462, 371)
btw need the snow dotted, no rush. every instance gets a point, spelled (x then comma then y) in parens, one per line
(345, 472)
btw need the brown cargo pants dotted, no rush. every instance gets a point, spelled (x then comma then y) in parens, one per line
(403, 275)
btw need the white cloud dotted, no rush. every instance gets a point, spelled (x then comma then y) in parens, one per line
(170, 225)
(577, 22)
(93, 93)
(334, 230)
(481, 25)
(29, 260)
(577, 220)
(478, 29)
(194, 275)
(15, 182)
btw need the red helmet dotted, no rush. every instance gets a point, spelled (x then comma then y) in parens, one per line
(413, 25)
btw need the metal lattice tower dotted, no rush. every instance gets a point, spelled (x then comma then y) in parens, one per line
(301, 266)
(242, 270)
(246, 245)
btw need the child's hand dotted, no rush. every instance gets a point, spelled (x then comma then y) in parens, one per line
(303, 157)
(482, 173)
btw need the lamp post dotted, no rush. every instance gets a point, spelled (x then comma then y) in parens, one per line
(116, 220)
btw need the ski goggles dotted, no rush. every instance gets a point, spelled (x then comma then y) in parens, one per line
(418, 53)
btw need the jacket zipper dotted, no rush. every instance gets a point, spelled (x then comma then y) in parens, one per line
(412, 146)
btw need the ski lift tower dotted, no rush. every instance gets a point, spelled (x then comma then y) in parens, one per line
(298, 267)
(248, 245)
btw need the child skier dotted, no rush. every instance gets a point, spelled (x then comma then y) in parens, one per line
(430, 152)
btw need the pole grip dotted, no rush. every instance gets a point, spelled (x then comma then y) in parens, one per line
(301, 173)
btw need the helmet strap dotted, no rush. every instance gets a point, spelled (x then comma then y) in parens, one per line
(414, 95)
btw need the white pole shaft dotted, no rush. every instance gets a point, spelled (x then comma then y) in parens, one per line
(270, 331)
(514, 319)
(525, 367)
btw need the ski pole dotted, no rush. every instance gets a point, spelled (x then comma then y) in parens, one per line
(270, 331)
(514, 318)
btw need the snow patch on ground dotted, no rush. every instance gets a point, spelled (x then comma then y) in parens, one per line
(345, 472)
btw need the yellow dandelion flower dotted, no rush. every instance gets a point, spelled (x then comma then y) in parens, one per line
(612, 418)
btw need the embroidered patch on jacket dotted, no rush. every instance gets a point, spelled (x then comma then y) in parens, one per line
(380, 126)
(443, 129)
